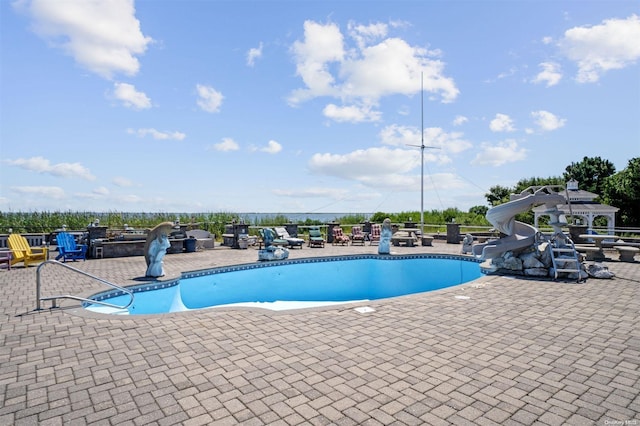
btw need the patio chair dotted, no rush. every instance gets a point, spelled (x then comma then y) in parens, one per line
(5, 257)
(293, 241)
(278, 242)
(339, 237)
(315, 237)
(22, 252)
(374, 237)
(69, 249)
(357, 236)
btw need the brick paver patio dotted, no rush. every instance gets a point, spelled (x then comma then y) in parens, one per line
(514, 352)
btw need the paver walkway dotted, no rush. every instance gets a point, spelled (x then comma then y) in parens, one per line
(514, 352)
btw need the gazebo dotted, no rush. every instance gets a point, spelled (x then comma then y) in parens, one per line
(582, 205)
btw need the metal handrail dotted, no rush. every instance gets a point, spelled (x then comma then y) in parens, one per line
(69, 296)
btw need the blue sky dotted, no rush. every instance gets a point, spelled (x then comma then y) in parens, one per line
(306, 106)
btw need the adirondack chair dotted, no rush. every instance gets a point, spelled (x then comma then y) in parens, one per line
(69, 249)
(22, 252)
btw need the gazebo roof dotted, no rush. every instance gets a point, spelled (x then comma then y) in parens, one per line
(579, 195)
(576, 194)
(580, 208)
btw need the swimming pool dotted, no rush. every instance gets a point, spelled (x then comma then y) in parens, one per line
(297, 283)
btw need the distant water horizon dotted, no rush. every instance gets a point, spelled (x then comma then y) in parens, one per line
(300, 217)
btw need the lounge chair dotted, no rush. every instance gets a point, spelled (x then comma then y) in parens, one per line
(339, 237)
(374, 237)
(280, 242)
(282, 233)
(357, 236)
(315, 237)
(22, 252)
(69, 249)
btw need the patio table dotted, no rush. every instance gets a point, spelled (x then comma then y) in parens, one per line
(597, 241)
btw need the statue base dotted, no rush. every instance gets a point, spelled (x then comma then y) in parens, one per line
(273, 253)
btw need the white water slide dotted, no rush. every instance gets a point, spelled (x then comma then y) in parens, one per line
(519, 235)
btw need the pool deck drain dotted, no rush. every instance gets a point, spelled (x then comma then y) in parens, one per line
(516, 352)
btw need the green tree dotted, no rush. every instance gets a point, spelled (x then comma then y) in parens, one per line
(479, 210)
(590, 173)
(622, 190)
(452, 213)
(497, 195)
(378, 217)
(537, 181)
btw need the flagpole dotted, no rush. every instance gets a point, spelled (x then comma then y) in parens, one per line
(421, 155)
(422, 146)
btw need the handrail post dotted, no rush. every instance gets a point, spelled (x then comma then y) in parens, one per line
(38, 283)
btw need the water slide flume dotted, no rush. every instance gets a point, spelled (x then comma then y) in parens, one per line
(518, 234)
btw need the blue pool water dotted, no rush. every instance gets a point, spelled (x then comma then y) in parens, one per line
(306, 282)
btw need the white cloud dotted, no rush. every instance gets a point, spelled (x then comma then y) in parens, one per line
(452, 142)
(101, 190)
(364, 162)
(502, 123)
(353, 113)
(121, 181)
(42, 165)
(54, 192)
(102, 36)
(210, 100)
(96, 194)
(156, 134)
(600, 48)
(393, 67)
(367, 34)
(547, 121)
(396, 135)
(380, 168)
(367, 69)
(434, 137)
(460, 120)
(227, 144)
(272, 147)
(505, 74)
(322, 45)
(335, 193)
(499, 154)
(550, 74)
(253, 54)
(130, 97)
(129, 199)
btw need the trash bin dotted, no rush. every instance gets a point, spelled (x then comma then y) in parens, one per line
(190, 245)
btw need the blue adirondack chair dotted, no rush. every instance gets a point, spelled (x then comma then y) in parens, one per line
(69, 249)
